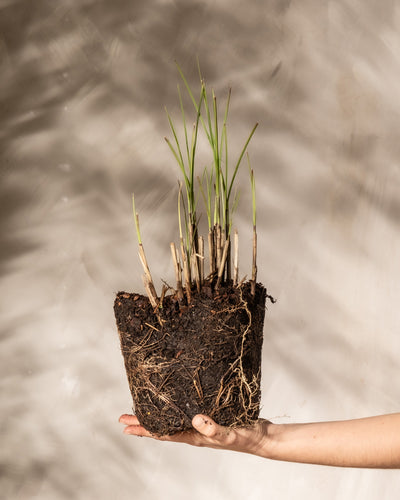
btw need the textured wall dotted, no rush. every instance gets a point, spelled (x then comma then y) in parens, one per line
(82, 89)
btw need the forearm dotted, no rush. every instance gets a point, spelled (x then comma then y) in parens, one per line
(368, 442)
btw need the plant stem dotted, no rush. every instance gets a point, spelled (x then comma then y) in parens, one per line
(186, 271)
(254, 267)
(149, 285)
(218, 246)
(211, 251)
(222, 267)
(153, 301)
(236, 258)
(201, 259)
(253, 193)
(149, 280)
(178, 271)
(240, 159)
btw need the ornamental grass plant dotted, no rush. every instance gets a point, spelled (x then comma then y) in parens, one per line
(196, 346)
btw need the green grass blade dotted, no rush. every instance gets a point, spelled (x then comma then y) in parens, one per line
(209, 130)
(184, 123)
(240, 159)
(179, 210)
(216, 139)
(181, 164)
(224, 141)
(224, 136)
(191, 168)
(187, 85)
(206, 197)
(253, 192)
(178, 152)
(189, 90)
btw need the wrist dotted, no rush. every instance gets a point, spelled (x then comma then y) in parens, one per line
(265, 442)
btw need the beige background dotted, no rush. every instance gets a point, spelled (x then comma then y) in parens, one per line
(82, 88)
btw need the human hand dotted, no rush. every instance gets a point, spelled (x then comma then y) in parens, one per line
(372, 442)
(207, 433)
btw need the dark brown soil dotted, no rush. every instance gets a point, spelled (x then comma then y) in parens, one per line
(199, 358)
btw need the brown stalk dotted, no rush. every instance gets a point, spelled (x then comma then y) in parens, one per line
(148, 287)
(164, 290)
(186, 272)
(228, 233)
(228, 261)
(236, 257)
(223, 261)
(178, 271)
(193, 256)
(218, 245)
(201, 259)
(151, 291)
(195, 268)
(211, 251)
(223, 241)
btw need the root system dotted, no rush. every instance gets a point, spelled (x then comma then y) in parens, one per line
(201, 357)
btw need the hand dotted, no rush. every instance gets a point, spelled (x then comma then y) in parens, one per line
(208, 433)
(372, 442)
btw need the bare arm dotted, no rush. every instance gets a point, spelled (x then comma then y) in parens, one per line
(372, 442)
(367, 442)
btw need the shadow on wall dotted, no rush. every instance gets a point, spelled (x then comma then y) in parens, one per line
(68, 69)
(98, 57)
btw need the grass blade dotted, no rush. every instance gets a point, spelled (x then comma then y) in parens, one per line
(240, 159)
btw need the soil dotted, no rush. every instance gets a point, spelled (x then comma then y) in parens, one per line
(204, 357)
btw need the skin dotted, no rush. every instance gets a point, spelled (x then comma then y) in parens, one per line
(372, 442)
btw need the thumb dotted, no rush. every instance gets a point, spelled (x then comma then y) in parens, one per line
(205, 425)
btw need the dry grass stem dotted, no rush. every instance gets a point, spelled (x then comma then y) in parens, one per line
(150, 285)
(164, 290)
(235, 257)
(218, 246)
(195, 270)
(194, 264)
(178, 271)
(186, 272)
(223, 261)
(228, 261)
(201, 259)
(149, 291)
(211, 251)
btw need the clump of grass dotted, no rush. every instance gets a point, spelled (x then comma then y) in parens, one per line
(216, 186)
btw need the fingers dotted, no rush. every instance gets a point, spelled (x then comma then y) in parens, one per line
(206, 426)
(209, 433)
(137, 430)
(133, 426)
(128, 419)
